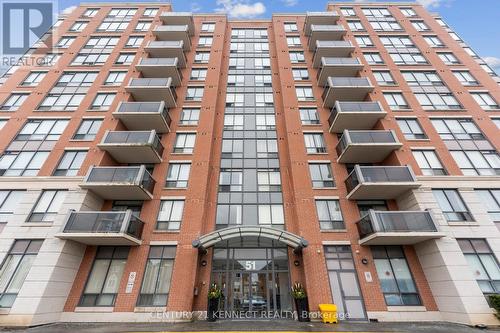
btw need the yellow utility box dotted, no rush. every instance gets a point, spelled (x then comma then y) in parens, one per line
(328, 313)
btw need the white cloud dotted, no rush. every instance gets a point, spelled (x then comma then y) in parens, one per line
(493, 62)
(68, 10)
(240, 8)
(290, 3)
(195, 7)
(435, 3)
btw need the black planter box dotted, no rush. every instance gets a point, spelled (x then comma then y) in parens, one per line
(302, 307)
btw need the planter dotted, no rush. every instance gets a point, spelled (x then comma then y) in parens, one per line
(213, 307)
(302, 307)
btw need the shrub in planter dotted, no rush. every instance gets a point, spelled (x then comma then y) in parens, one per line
(495, 304)
(214, 295)
(301, 304)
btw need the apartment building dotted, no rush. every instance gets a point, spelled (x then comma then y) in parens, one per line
(148, 153)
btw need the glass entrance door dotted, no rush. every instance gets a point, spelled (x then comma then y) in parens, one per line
(250, 292)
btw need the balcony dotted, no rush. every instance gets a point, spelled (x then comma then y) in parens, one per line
(379, 182)
(160, 67)
(325, 32)
(319, 18)
(120, 183)
(366, 146)
(346, 89)
(355, 115)
(331, 48)
(132, 146)
(167, 49)
(141, 116)
(178, 18)
(102, 228)
(152, 90)
(333, 67)
(397, 228)
(173, 33)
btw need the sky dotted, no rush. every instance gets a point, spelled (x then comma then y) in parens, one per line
(477, 22)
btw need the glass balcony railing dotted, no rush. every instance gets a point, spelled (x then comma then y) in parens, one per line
(365, 137)
(353, 108)
(124, 175)
(158, 61)
(144, 116)
(146, 138)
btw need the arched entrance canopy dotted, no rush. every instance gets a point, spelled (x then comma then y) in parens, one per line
(285, 237)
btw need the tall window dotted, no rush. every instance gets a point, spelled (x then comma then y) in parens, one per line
(205, 41)
(483, 264)
(329, 214)
(321, 175)
(104, 278)
(198, 74)
(448, 58)
(33, 79)
(300, 74)
(290, 27)
(90, 12)
(268, 180)
(297, 56)
(103, 101)
(309, 116)
(364, 41)
(314, 143)
(150, 12)
(207, 27)
(88, 129)
(394, 275)
(194, 93)
(271, 214)
(429, 163)
(373, 58)
(13, 102)
(70, 163)
(384, 78)
(15, 268)
(9, 200)
(466, 78)
(411, 128)
(170, 215)
(65, 42)
(143, 26)
(125, 59)
(178, 175)
(452, 205)
(396, 101)
(47, 206)
(304, 94)
(190, 116)
(293, 41)
(202, 57)
(157, 275)
(184, 143)
(25, 163)
(433, 41)
(491, 200)
(115, 78)
(485, 100)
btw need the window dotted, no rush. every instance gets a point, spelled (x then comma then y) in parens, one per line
(433, 41)
(485, 100)
(170, 215)
(314, 143)
(269, 180)
(488, 69)
(373, 58)
(207, 27)
(355, 26)
(115, 78)
(150, 12)
(194, 93)
(190, 116)
(348, 11)
(113, 26)
(262, 80)
(33, 79)
(408, 12)
(407, 57)
(271, 214)
(205, 41)
(420, 26)
(101, 42)
(304, 94)
(265, 99)
(178, 175)
(105, 276)
(384, 78)
(198, 74)
(296, 57)
(456, 37)
(471, 52)
(230, 180)
(143, 26)
(134, 41)
(364, 41)
(3, 122)
(70, 163)
(201, 57)
(90, 12)
(429, 163)
(77, 79)
(233, 122)
(396, 41)
(474, 162)
(157, 276)
(25, 163)
(65, 42)
(422, 78)
(329, 215)
(260, 63)
(441, 22)
(13, 102)
(376, 12)
(184, 143)
(452, 205)
(122, 12)
(394, 275)
(102, 101)
(385, 24)
(448, 58)
(88, 129)
(47, 206)
(49, 59)
(91, 59)
(483, 264)
(396, 101)
(125, 59)
(465, 78)
(411, 129)
(265, 122)
(300, 74)
(291, 27)
(61, 102)
(321, 175)
(15, 268)
(235, 100)
(496, 121)
(491, 200)
(309, 116)
(9, 200)
(41, 133)
(293, 41)
(438, 101)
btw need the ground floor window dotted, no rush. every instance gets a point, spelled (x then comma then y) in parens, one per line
(394, 275)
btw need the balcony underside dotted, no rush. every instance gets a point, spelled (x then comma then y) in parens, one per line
(104, 239)
(331, 51)
(142, 121)
(367, 152)
(131, 153)
(346, 93)
(167, 35)
(167, 52)
(337, 70)
(326, 18)
(324, 35)
(356, 120)
(400, 238)
(178, 18)
(159, 71)
(117, 191)
(374, 191)
(152, 94)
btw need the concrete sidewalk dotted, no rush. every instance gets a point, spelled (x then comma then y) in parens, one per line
(252, 326)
